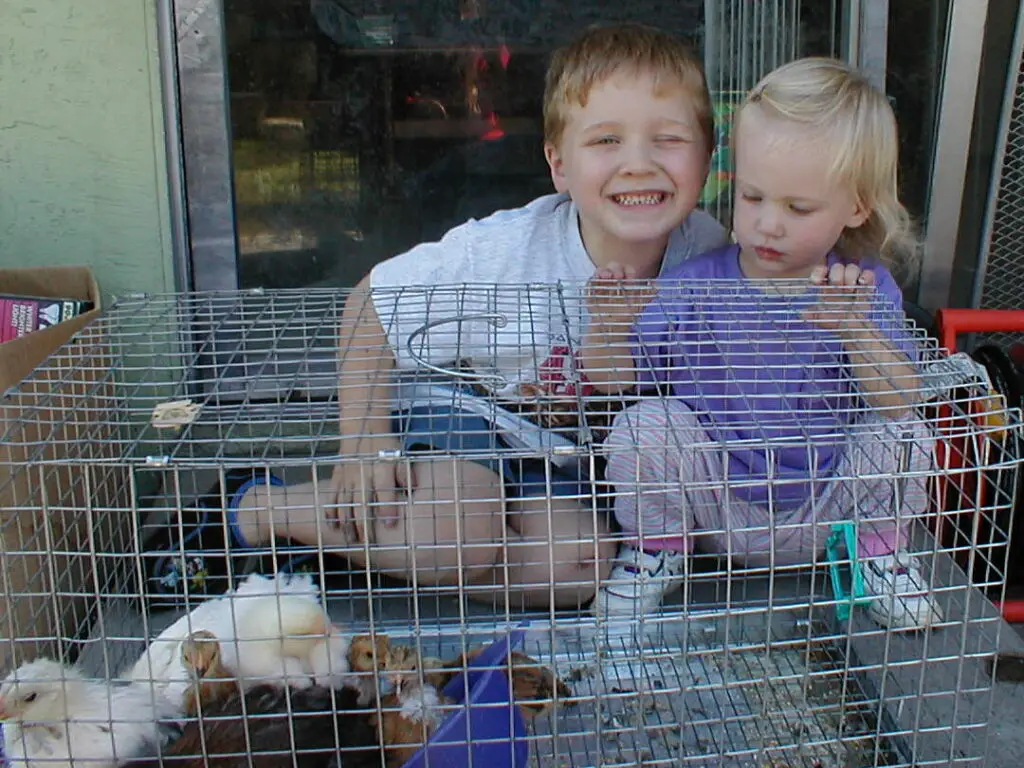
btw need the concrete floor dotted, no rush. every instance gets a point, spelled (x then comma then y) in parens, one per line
(1006, 740)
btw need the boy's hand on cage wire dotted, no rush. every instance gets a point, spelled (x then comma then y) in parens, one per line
(615, 296)
(367, 491)
(844, 300)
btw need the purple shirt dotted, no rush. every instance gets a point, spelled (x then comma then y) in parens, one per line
(754, 371)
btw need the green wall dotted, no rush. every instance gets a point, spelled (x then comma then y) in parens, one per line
(82, 162)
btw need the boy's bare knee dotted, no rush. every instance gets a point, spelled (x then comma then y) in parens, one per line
(564, 571)
(607, 549)
(586, 554)
(578, 570)
(446, 528)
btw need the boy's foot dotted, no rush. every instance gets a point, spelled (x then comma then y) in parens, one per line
(199, 554)
(638, 582)
(902, 599)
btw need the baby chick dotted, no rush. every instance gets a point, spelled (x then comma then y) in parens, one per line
(535, 688)
(56, 717)
(283, 635)
(286, 635)
(211, 680)
(263, 726)
(367, 655)
(411, 713)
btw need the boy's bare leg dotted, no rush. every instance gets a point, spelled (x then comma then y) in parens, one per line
(516, 551)
(424, 540)
(558, 553)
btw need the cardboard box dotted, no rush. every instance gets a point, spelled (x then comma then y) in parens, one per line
(19, 357)
(48, 532)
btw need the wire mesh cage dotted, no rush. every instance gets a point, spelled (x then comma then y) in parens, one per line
(998, 284)
(186, 445)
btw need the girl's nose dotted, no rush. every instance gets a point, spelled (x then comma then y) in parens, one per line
(769, 221)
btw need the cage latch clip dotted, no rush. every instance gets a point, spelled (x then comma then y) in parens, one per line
(844, 568)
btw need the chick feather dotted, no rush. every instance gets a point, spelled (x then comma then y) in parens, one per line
(55, 717)
(271, 629)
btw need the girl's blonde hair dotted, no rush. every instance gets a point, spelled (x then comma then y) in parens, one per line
(839, 103)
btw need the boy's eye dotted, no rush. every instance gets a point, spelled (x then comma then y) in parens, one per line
(604, 140)
(750, 198)
(670, 139)
(800, 210)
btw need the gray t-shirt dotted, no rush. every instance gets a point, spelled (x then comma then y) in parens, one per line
(502, 295)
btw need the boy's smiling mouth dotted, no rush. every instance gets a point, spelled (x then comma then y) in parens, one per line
(630, 199)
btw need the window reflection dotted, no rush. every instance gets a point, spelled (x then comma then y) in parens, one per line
(361, 127)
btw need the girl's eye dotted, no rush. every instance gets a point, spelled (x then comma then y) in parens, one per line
(800, 211)
(751, 198)
(669, 139)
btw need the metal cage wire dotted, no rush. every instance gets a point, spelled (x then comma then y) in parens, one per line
(999, 284)
(120, 437)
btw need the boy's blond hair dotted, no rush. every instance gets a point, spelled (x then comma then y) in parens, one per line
(600, 52)
(839, 103)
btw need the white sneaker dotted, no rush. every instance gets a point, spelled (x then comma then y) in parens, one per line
(638, 582)
(902, 599)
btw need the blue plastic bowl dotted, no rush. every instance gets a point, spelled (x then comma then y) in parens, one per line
(493, 736)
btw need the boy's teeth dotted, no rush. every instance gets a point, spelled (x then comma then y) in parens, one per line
(649, 199)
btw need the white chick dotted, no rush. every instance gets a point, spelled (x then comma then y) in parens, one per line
(55, 717)
(282, 631)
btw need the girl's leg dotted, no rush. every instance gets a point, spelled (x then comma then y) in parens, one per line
(652, 462)
(651, 455)
(895, 461)
(892, 463)
(881, 483)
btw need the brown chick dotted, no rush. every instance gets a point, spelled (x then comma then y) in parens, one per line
(535, 688)
(266, 726)
(211, 681)
(409, 715)
(367, 656)
(272, 727)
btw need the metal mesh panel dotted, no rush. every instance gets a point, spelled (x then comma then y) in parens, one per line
(745, 663)
(1002, 284)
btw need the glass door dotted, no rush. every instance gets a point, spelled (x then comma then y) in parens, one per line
(322, 136)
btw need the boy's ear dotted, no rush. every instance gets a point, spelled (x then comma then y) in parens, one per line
(554, 159)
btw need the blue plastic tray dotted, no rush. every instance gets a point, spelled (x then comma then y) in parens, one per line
(494, 735)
